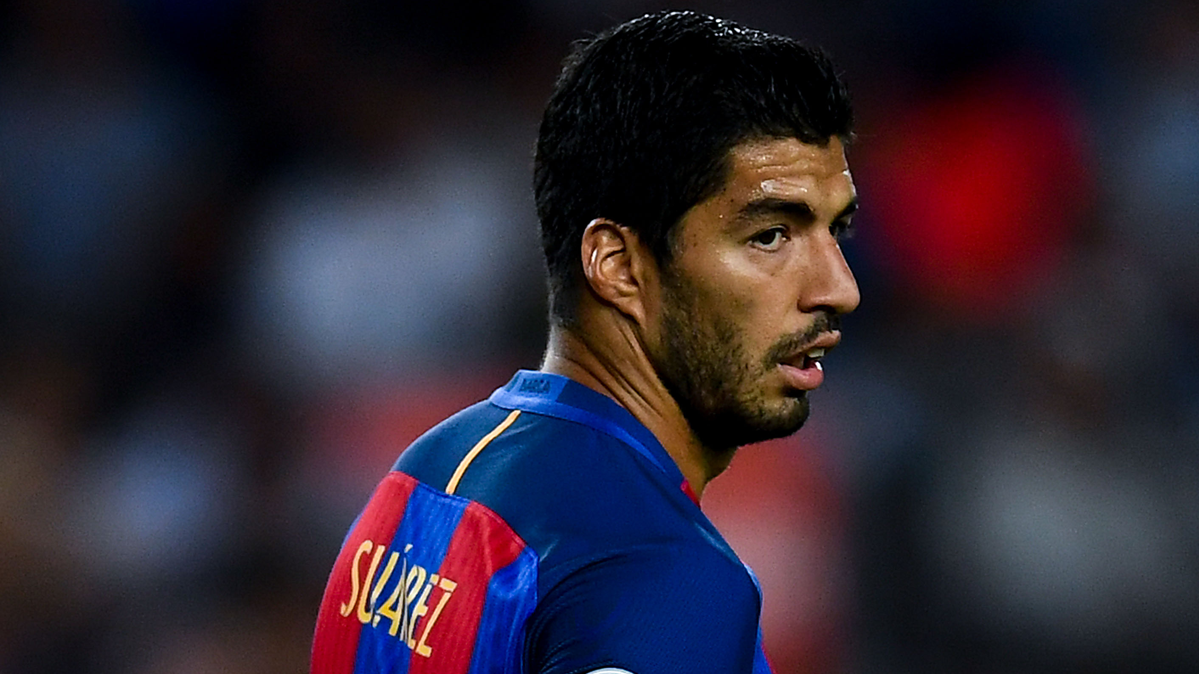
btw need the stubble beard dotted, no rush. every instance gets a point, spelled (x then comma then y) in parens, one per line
(719, 387)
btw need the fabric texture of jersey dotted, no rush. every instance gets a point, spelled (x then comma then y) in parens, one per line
(543, 531)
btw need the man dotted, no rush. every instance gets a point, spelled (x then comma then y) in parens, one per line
(691, 184)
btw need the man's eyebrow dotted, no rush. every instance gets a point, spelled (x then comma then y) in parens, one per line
(850, 209)
(797, 209)
(775, 206)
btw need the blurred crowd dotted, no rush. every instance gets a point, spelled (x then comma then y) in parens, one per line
(251, 248)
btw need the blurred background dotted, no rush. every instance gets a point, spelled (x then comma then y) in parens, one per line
(251, 248)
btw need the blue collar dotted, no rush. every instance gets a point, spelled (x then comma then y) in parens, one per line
(557, 396)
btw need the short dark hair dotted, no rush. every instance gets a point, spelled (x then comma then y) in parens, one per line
(643, 117)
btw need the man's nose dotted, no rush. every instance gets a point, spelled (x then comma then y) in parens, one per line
(830, 284)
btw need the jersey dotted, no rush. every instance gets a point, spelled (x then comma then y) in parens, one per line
(542, 531)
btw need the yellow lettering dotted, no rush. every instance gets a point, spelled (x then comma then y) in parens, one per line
(388, 609)
(391, 565)
(447, 586)
(347, 607)
(412, 584)
(418, 610)
(364, 615)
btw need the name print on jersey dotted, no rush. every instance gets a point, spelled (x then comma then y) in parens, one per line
(408, 596)
(408, 602)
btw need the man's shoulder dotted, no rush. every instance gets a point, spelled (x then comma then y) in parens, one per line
(488, 444)
(563, 486)
(434, 456)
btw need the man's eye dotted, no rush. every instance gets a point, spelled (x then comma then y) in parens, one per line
(770, 239)
(841, 230)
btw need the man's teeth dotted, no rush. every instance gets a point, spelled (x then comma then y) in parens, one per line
(816, 353)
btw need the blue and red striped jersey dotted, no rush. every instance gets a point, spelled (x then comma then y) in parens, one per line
(543, 531)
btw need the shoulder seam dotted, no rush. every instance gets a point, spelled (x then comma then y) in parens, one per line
(452, 486)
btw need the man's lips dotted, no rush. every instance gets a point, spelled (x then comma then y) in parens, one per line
(802, 369)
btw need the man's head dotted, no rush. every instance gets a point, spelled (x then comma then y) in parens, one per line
(720, 151)
(642, 120)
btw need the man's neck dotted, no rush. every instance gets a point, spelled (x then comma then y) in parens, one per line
(620, 369)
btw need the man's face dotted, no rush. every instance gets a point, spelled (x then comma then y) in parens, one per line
(750, 299)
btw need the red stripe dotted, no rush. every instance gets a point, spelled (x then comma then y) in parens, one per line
(336, 642)
(482, 545)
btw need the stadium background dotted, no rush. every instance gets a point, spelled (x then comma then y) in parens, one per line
(250, 248)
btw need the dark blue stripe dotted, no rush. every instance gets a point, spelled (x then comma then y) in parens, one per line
(511, 596)
(429, 523)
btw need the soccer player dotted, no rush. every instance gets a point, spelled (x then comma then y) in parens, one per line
(691, 184)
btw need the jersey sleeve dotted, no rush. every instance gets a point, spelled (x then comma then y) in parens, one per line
(652, 610)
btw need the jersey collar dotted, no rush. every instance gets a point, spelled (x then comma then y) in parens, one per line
(561, 397)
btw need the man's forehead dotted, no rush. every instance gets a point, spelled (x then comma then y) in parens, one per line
(787, 169)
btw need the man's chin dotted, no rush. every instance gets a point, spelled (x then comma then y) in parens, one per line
(736, 430)
(789, 420)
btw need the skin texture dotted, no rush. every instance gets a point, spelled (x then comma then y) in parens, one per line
(708, 351)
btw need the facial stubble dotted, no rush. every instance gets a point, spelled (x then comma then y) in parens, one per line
(721, 389)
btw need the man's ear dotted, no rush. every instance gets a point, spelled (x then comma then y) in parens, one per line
(618, 267)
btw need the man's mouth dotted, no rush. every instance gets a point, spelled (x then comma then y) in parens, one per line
(803, 370)
(812, 358)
